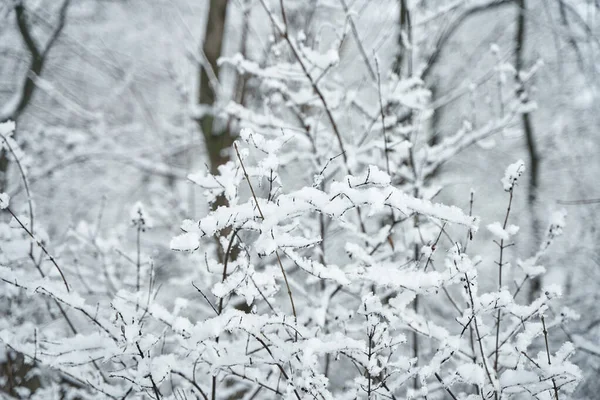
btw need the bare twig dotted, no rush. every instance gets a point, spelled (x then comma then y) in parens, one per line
(193, 382)
(548, 354)
(453, 28)
(578, 202)
(41, 246)
(479, 338)
(285, 34)
(385, 140)
(500, 264)
(289, 290)
(439, 378)
(359, 43)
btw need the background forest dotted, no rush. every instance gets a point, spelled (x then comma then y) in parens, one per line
(259, 199)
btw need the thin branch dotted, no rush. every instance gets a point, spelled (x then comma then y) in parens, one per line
(385, 140)
(41, 246)
(38, 56)
(181, 374)
(578, 202)
(289, 290)
(439, 378)
(361, 48)
(548, 354)
(284, 33)
(453, 28)
(479, 338)
(500, 264)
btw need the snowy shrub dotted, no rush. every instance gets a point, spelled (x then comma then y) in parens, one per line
(327, 271)
(285, 315)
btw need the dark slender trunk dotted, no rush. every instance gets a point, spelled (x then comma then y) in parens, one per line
(216, 141)
(527, 125)
(403, 36)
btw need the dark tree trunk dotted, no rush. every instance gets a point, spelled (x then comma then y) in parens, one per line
(216, 141)
(403, 35)
(527, 125)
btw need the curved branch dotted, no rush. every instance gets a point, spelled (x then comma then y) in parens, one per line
(453, 28)
(144, 165)
(38, 54)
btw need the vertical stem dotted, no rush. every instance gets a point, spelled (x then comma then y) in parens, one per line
(138, 259)
(548, 354)
(415, 338)
(527, 126)
(369, 355)
(221, 300)
(479, 338)
(262, 216)
(385, 140)
(469, 232)
(405, 30)
(469, 236)
(500, 264)
(138, 265)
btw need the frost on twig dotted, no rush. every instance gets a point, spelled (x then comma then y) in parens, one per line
(512, 174)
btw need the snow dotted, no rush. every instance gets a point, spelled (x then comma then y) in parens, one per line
(557, 222)
(188, 241)
(512, 173)
(471, 373)
(10, 107)
(4, 200)
(501, 233)
(6, 128)
(139, 216)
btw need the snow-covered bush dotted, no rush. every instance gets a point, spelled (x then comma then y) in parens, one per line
(328, 271)
(284, 315)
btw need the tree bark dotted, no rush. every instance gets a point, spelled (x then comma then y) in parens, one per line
(527, 125)
(216, 141)
(403, 35)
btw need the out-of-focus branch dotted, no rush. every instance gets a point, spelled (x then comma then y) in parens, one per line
(578, 202)
(242, 79)
(439, 154)
(453, 28)
(38, 54)
(283, 31)
(25, 90)
(527, 126)
(359, 43)
(142, 164)
(404, 38)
